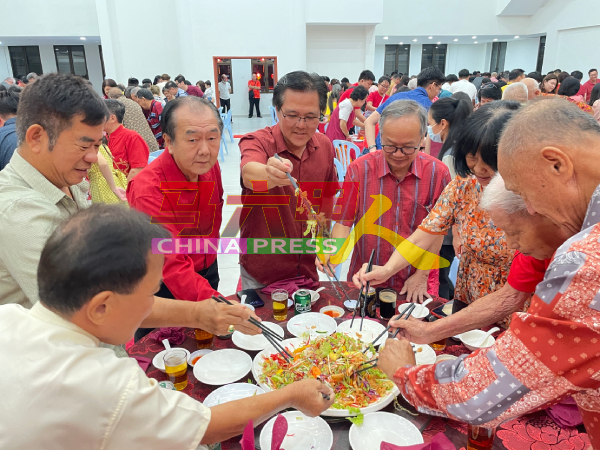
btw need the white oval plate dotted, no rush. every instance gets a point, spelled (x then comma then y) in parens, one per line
(159, 362)
(294, 343)
(223, 367)
(370, 330)
(303, 433)
(231, 392)
(420, 311)
(381, 427)
(312, 323)
(258, 342)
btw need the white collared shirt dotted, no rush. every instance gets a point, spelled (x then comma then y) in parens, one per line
(60, 391)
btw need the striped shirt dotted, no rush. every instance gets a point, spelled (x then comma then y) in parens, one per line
(411, 200)
(153, 118)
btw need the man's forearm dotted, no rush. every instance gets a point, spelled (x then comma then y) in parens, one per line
(481, 313)
(171, 313)
(370, 128)
(254, 171)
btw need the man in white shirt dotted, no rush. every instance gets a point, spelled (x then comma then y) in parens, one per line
(463, 85)
(164, 79)
(60, 391)
(224, 91)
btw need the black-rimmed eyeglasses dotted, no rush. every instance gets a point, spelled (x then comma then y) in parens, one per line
(391, 149)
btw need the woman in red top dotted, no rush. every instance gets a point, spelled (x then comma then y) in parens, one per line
(379, 96)
(254, 95)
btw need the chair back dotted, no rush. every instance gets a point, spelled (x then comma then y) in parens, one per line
(274, 118)
(342, 152)
(226, 118)
(154, 155)
(220, 109)
(341, 172)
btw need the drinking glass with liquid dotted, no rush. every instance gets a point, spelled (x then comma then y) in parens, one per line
(387, 303)
(280, 301)
(480, 438)
(204, 339)
(176, 367)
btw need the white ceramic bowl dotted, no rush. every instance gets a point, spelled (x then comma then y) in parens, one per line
(337, 309)
(470, 339)
(420, 311)
(159, 362)
(445, 358)
(314, 295)
(196, 354)
(350, 305)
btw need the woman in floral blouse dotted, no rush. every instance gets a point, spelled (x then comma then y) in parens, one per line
(486, 258)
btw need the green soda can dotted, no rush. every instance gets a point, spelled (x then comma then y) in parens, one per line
(302, 301)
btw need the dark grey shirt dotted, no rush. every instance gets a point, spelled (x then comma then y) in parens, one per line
(8, 141)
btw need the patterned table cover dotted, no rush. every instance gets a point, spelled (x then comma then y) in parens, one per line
(536, 431)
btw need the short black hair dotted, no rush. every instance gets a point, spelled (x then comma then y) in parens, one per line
(395, 75)
(171, 84)
(146, 81)
(208, 83)
(490, 90)
(430, 75)
(366, 75)
(156, 79)
(481, 133)
(577, 74)
(145, 93)
(116, 108)
(592, 70)
(188, 82)
(9, 101)
(98, 249)
(515, 73)
(463, 73)
(359, 93)
(569, 87)
(326, 78)
(179, 79)
(536, 76)
(133, 82)
(108, 82)
(383, 79)
(345, 80)
(168, 123)
(300, 81)
(451, 78)
(54, 100)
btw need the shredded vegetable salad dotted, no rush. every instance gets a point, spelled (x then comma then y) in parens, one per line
(333, 359)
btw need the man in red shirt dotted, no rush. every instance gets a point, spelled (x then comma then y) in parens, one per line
(254, 95)
(191, 90)
(299, 98)
(404, 183)
(366, 79)
(128, 148)
(586, 88)
(379, 96)
(153, 111)
(535, 239)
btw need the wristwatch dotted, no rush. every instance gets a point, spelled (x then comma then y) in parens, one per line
(371, 146)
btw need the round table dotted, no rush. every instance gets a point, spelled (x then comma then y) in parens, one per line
(524, 432)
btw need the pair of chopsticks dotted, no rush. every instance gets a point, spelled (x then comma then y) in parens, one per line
(336, 279)
(362, 295)
(373, 363)
(270, 335)
(408, 311)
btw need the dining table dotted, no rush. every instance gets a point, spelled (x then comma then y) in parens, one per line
(534, 431)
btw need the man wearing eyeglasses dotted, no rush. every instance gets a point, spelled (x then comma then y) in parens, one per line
(299, 98)
(403, 184)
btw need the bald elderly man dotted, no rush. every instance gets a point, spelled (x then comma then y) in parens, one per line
(535, 239)
(546, 156)
(533, 88)
(517, 92)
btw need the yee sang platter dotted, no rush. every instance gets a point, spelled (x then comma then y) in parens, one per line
(333, 359)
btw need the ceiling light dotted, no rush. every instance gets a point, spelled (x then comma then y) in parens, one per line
(82, 38)
(473, 37)
(516, 37)
(430, 37)
(385, 37)
(475, 42)
(455, 40)
(414, 40)
(495, 40)
(438, 43)
(401, 43)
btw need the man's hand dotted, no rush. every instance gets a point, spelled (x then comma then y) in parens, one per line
(415, 287)
(216, 317)
(396, 354)
(414, 330)
(276, 171)
(307, 396)
(322, 266)
(378, 275)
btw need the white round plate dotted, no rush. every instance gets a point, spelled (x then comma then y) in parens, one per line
(381, 427)
(258, 342)
(370, 330)
(231, 392)
(159, 362)
(316, 324)
(223, 367)
(426, 355)
(294, 343)
(303, 433)
(420, 311)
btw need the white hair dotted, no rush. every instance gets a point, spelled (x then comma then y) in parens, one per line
(412, 84)
(496, 196)
(532, 87)
(516, 91)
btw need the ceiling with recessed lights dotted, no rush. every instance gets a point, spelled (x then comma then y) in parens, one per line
(50, 40)
(467, 39)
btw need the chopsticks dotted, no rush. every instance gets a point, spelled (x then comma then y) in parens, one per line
(362, 311)
(333, 284)
(289, 175)
(372, 366)
(270, 335)
(408, 311)
(336, 279)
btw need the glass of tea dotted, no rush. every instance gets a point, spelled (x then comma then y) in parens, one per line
(280, 301)
(176, 367)
(439, 345)
(480, 438)
(204, 339)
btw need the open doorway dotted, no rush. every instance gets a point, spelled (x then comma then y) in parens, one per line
(239, 70)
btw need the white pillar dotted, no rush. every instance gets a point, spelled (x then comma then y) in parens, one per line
(370, 47)
(414, 65)
(48, 58)
(5, 65)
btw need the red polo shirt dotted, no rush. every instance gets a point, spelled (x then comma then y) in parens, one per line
(526, 272)
(195, 91)
(586, 90)
(129, 149)
(144, 194)
(411, 200)
(347, 92)
(255, 91)
(315, 164)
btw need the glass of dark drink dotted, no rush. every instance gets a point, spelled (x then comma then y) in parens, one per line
(480, 438)
(387, 303)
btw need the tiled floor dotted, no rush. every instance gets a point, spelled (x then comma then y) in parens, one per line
(229, 271)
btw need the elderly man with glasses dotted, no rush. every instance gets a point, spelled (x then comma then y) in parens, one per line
(402, 184)
(268, 155)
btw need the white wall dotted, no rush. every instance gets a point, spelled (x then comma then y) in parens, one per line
(379, 64)
(522, 54)
(576, 49)
(471, 57)
(414, 61)
(340, 11)
(5, 66)
(48, 58)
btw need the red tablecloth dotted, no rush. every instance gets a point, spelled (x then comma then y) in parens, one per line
(536, 431)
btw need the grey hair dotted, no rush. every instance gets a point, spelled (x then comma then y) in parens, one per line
(32, 76)
(403, 108)
(496, 196)
(516, 91)
(412, 84)
(135, 90)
